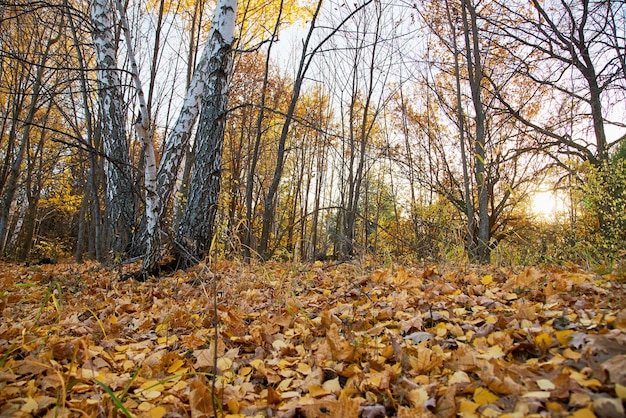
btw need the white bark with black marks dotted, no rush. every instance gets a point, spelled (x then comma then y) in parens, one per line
(196, 229)
(119, 199)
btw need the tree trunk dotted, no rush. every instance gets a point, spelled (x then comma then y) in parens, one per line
(474, 67)
(143, 131)
(119, 199)
(270, 199)
(195, 233)
(254, 159)
(360, 127)
(14, 174)
(90, 185)
(175, 149)
(468, 198)
(306, 57)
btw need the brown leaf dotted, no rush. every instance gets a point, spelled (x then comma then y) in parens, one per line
(200, 399)
(446, 405)
(608, 408)
(341, 349)
(615, 368)
(343, 408)
(273, 397)
(404, 412)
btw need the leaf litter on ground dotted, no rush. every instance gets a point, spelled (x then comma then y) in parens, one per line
(314, 340)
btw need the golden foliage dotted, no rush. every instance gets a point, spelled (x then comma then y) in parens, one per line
(319, 341)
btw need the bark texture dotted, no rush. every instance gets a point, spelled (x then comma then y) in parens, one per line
(119, 198)
(195, 233)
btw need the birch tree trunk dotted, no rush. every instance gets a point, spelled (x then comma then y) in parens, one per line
(176, 145)
(196, 229)
(119, 202)
(143, 131)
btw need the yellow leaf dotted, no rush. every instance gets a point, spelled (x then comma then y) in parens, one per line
(352, 370)
(418, 397)
(279, 344)
(257, 363)
(151, 389)
(145, 406)
(494, 352)
(441, 330)
(620, 391)
(543, 340)
(179, 386)
(151, 394)
(483, 396)
(284, 385)
(467, 406)
(555, 408)
(161, 329)
(290, 394)
(176, 364)
(387, 351)
(157, 412)
(487, 279)
(583, 413)
(537, 395)
(582, 380)
(244, 371)
(458, 377)
(571, 354)
(491, 413)
(332, 385)
(303, 368)
(224, 363)
(167, 340)
(30, 406)
(592, 383)
(318, 391)
(233, 406)
(579, 400)
(563, 336)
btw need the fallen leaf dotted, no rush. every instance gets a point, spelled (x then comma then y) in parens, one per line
(483, 396)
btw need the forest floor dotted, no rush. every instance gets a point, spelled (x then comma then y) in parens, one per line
(321, 340)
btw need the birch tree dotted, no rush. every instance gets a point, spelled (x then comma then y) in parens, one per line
(143, 131)
(196, 229)
(178, 141)
(119, 197)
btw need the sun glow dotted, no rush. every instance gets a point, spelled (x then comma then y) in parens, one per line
(546, 205)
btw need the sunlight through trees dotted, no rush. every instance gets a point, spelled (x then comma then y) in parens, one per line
(312, 130)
